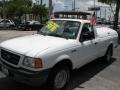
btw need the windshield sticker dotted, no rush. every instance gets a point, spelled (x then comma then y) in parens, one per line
(52, 26)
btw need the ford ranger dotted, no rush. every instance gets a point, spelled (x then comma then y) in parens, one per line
(61, 46)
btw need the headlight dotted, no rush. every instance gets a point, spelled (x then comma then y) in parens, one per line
(33, 62)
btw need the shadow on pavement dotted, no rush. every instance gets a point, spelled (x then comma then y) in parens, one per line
(78, 77)
(87, 72)
(7, 84)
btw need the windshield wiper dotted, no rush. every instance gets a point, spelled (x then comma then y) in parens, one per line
(56, 35)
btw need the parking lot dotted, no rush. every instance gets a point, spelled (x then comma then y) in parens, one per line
(94, 76)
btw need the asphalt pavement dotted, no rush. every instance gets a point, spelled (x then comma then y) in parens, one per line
(94, 76)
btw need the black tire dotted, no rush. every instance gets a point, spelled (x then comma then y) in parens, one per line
(108, 55)
(55, 76)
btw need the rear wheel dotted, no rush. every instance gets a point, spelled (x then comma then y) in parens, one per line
(108, 55)
(59, 77)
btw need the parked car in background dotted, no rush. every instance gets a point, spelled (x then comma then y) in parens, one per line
(30, 25)
(9, 23)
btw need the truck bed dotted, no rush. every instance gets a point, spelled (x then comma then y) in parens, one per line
(105, 31)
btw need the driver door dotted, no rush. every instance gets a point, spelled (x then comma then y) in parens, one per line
(87, 48)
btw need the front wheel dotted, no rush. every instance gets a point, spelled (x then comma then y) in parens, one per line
(59, 78)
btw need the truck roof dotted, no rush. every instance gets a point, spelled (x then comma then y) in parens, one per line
(78, 20)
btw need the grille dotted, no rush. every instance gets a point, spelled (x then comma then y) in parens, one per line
(10, 57)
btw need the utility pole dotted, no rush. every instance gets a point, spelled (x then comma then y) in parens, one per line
(4, 14)
(74, 5)
(50, 8)
(105, 13)
(94, 5)
(95, 9)
(41, 2)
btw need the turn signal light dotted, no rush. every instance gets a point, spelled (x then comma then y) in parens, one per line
(38, 63)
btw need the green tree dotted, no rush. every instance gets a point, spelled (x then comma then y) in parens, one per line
(116, 15)
(18, 7)
(40, 10)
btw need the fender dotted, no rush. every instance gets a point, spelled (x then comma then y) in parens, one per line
(62, 58)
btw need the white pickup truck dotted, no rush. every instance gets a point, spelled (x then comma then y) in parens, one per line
(61, 46)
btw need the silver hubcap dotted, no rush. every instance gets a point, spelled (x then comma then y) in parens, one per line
(61, 79)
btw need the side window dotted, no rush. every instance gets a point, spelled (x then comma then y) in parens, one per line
(7, 21)
(71, 29)
(87, 32)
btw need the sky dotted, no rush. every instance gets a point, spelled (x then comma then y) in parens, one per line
(82, 5)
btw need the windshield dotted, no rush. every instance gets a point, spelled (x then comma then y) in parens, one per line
(61, 28)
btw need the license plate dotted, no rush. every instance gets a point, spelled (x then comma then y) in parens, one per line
(5, 71)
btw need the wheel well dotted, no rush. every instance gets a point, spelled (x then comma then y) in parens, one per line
(64, 62)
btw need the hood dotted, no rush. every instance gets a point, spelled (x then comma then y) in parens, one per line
(34, 44)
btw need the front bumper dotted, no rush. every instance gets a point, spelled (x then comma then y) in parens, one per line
(34, 78)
